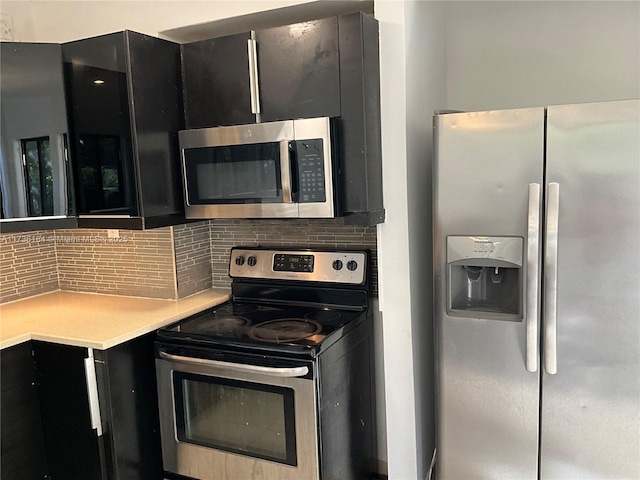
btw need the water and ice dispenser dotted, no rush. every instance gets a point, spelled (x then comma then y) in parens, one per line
(485, 277)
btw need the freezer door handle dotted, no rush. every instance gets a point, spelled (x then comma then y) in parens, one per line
(533, 277)
(551, 279)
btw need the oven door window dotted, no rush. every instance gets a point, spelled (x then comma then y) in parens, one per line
(233, 174)
(251, 419)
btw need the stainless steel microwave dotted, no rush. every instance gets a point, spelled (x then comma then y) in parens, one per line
(264, 170)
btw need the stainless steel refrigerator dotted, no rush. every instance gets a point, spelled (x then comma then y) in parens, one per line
(537, 266)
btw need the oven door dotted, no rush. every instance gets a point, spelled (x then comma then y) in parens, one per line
(225, 420)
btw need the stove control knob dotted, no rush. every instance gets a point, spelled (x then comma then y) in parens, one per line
(337, 264)
(251, 261)
(352, 265)
(239, 260)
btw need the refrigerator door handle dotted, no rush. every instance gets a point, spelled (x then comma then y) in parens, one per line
(533, 277)
(551, 279)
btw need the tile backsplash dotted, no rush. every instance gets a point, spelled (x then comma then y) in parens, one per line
(27, 265)
(169, 262)
(330, 233)
(193, 258)
(137, 263)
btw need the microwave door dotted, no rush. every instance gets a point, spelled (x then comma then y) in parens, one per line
(251, 180)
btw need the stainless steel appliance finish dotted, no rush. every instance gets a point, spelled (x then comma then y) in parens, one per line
(279, 380)
(331, 267)
(301, 172)
(553, 392)
(202, 462)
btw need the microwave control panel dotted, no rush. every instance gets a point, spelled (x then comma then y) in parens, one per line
(311, 174)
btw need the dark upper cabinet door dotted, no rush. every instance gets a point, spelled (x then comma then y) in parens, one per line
(124, 96)
(299, 70)
(96, 80)
(156, 103)
(215, 76)
(34, 179)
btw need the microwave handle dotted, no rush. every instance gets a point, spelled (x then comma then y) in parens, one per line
(285, 172)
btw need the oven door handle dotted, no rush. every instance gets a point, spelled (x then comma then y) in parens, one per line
(271, 371)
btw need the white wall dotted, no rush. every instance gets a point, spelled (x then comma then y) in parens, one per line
(412, 57)
(63, 21)
(426, 92)
(393, 248)
(537, 53)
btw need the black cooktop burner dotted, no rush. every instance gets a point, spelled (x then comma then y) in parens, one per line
(221, 325)
(285, 330)
(248, 323)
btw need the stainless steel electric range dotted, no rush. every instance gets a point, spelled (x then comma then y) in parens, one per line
(277, 383)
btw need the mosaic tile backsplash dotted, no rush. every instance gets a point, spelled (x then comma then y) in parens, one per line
(193, 258)
(311, 233)
(27, 265)
(137, 263)
(169, 262)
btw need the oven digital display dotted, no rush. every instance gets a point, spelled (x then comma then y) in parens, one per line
(284, 262)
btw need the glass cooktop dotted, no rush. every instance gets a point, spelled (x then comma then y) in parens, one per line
(253, 323)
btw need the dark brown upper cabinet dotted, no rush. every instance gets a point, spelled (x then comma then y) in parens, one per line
(279, 73)
(320, 68)
(299, 70)
(35, 186)
(124, 97)
(215, 75)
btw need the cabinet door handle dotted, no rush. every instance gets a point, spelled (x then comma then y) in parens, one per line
(252, 50)
(92, 391)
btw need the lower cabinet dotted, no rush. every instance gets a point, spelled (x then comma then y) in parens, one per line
(22, 439)
(74, 450)
(95, 413)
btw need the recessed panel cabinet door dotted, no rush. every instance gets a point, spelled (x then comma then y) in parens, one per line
(298, 70)
(215, 76)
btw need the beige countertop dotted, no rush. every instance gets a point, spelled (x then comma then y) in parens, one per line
(92, 320)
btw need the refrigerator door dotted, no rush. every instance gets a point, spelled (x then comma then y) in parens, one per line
(590, 410)
(487, 402)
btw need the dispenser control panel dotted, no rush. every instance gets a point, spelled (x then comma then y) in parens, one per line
(494, 249)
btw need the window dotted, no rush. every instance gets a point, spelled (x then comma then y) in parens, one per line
(38, 174)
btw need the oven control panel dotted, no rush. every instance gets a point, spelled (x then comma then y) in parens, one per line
(302, 265)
